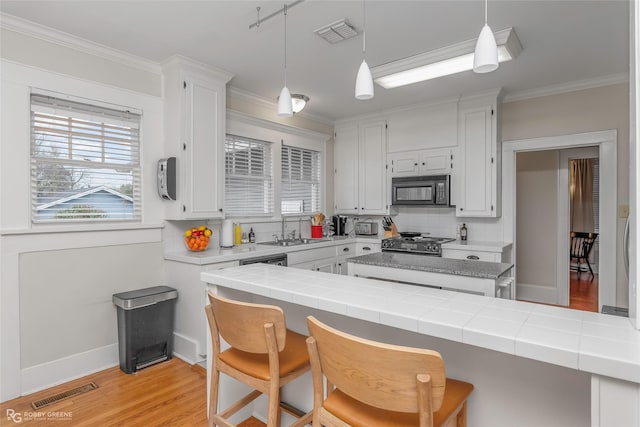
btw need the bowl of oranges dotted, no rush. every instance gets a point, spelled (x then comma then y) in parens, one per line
(197, 238)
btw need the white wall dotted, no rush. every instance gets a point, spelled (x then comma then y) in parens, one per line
(537, 223)
(57, 320)
(588, 110)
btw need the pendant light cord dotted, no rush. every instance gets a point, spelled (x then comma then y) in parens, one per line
(285, 44)
(364, 30)
(486, 7)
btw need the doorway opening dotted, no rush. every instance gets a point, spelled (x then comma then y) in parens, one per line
(583, 167)
(549, 220)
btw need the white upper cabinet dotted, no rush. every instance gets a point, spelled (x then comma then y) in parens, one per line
(425, 162)
(360, 168)
(477, 185)
(345, 163)
(195, 99)
(424, 127)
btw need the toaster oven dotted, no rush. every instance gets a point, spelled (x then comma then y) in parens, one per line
(364, 228)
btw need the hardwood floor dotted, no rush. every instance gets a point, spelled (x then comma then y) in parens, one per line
(172, 393)
(583, 293)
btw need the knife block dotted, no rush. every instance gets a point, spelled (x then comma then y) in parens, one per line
(392, 232)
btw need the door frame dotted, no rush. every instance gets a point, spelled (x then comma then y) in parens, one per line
(607, 142)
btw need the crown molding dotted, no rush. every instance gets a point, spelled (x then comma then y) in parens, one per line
(249, 96)
(280, 127)
(611, 79)
(31, 29)
(181, 61)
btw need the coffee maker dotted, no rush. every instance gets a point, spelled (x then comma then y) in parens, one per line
(339, 225)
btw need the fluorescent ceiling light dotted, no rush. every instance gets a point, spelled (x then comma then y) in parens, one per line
(442, 62)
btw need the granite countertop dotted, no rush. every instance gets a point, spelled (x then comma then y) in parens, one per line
(591, 342)
(432, 264)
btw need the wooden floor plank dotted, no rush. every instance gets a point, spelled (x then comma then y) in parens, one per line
(172, 393)
(583, 293)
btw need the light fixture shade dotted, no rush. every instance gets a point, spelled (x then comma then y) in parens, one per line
(364, 82)
(485, 58)
(285, 106)
(298, 101)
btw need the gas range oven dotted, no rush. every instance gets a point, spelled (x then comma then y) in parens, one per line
(420, 245)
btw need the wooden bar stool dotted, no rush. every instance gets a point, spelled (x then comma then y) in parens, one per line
(380, 384)
(264, 354)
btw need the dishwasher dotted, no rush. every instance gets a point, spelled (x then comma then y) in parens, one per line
(278, 259)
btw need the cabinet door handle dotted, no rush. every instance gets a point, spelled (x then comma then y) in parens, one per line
(476, 257)
(366, 248)
(415, 164)
(461, 209)
(345, 250)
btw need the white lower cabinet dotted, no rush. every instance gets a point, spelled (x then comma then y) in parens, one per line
(190, 327)
(472, 255)
(327, 259)
(368, 248)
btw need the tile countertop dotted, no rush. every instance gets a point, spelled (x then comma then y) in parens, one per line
(591, 342)
(215, 255)
(432, 264)
(477, 245)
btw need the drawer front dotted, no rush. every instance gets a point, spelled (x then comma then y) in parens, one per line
(346, 250)
(472, 255)
(297, 257)
(367, 248)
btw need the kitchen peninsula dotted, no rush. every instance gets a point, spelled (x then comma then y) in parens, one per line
(531, 364)
(486, 278)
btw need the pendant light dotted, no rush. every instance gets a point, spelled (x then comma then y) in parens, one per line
(485, 58)
(285, 106)
(364, 81)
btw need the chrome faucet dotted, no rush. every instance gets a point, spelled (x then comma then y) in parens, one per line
(284, 224)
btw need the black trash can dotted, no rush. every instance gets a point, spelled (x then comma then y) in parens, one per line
(145, 326)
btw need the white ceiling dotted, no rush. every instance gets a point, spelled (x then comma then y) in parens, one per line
(563, 41)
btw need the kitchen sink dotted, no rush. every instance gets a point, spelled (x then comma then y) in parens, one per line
(296, 242)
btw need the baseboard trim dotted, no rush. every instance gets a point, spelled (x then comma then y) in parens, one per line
(68, 368)
(186, 349)
(536, 293)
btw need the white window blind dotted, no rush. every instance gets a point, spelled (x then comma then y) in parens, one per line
(300, 180)
(85, 162)
(248, 182)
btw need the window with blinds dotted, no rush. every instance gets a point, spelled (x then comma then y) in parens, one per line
(300, 180)
(85, 162)
(248, 186)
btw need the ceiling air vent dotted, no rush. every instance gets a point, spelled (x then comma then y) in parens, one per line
(336, 31)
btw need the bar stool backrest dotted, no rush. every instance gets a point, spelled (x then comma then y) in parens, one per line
(242, 324)
(378, 374)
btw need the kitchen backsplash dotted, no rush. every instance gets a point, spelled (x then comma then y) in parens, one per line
(435, 221)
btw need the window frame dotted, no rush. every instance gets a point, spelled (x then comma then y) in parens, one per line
(249, 177)
(38, 100)
(260, 129)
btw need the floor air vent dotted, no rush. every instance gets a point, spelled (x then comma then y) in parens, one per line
(64, 395)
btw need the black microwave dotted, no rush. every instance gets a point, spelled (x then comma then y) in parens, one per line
(432, 190)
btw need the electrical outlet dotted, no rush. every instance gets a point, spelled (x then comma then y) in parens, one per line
(623, 211)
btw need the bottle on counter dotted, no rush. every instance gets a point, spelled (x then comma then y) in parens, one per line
(252, 236)
(237, 232)
(463, 232)
(245, 238)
